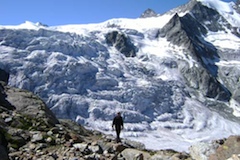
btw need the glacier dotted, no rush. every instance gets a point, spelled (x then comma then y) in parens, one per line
(81, 77)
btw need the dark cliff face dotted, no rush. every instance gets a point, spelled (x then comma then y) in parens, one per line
(4, 76)
(4, 103)
(122, 43)
(173, 31)
(209, 17)
(183, 31)
(188, 31)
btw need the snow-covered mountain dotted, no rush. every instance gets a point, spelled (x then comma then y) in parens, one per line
(174, 77)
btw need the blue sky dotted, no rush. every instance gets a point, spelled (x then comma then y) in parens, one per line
(60, 12)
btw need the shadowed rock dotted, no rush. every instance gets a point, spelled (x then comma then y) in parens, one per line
(4, 76)
(122, 43)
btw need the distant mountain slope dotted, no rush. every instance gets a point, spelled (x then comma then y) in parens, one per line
(174, 77)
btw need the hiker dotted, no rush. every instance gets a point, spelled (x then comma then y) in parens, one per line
(118, 123)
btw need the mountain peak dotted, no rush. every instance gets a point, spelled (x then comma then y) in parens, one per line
(226, 10)
(149, 13)
(218, 5)
(40, 24)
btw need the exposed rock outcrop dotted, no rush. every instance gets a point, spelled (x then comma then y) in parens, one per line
(230, 147)
(224, 149)
(122, 43)
(30, 105)
(186, 31)
(4, 76)
(202, 151)
(4, 104)
(205, 14)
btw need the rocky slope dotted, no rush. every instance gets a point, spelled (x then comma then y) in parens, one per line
(29, 130)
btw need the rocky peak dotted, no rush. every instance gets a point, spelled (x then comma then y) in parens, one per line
(208, 17)
(187, 31)
(183, 8)
(182, 30)
(148, 13)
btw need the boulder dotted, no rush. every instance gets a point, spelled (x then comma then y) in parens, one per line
(81, 146)
(37, 137)
(30, 105)
(130, 153)
(234, 157)
(95, 149)
(229, 148)
(202, 151)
